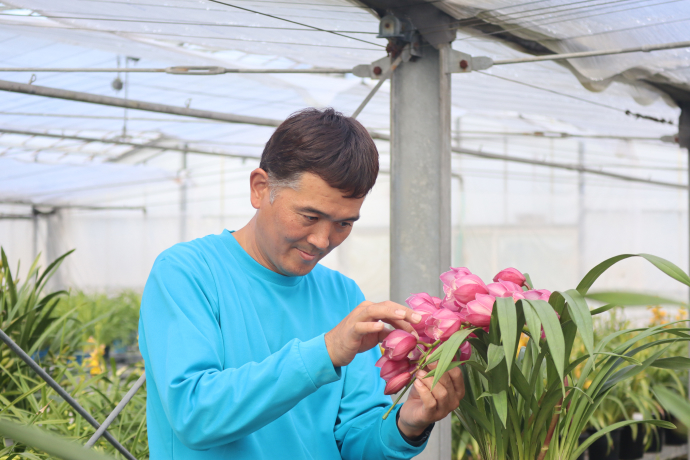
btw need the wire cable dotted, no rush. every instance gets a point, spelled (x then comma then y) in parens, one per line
(120, 33)
(206, 24)
(297, 23)
(617, 109)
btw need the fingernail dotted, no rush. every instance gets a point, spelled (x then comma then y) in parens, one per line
(416, 317)
(421, 373)
(419, 384)
(400, 313)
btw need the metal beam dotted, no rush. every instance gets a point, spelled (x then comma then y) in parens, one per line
(71, 206)
(132, 104)
(584, 54)
(374, 135)
(176, 148)
(420, 191)
(175, 70)
(106, 423)
(547, 164)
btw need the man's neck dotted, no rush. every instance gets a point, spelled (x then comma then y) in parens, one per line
(246, 237)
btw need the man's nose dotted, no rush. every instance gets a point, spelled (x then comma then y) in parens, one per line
(319, 237)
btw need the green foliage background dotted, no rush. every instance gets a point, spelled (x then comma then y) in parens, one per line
(66, 334)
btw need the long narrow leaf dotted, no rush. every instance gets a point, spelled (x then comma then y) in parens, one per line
(507, 321)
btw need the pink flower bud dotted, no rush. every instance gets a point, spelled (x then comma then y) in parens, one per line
(415, 354)
(390, 368)
(451, 304)
(504, 289)
(478, 312)
(442, 324)
(450, 276)
(537, 294)
(512, 275)
(398, 344)
(466, 288)
(465, 351)
(397, 383)
(425, 305)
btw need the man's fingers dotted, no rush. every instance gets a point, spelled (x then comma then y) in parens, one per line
(441, 390)
(362, 329)
(458, 381)
(389, 312)
(400, 324)
(425, 395)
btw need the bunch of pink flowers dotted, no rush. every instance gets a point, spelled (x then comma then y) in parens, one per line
(468, 302)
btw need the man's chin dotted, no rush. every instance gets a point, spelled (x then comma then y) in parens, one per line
(300, 267)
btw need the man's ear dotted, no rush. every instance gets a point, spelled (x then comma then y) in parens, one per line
(259, 190)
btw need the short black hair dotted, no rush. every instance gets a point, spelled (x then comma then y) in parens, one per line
(326, 143)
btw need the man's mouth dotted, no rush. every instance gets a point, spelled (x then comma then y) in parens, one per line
(306, 256)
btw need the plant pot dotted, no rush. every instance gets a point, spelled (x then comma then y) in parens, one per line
(632, 448)
(582, 438)
(657, 441)
(600, 449)
(678, 436)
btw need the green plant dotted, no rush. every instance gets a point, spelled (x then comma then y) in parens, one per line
(55, 334)
(107, 319)
(534, 406)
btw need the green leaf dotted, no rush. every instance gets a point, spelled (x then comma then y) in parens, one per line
(675, 403)
(615, 426)
(600, 310)
(632, 361)
(48, 443)
(449, 349)
(662, 264)
(495, 355)
(669, 268)
(501, 405)
(631, 299)
(675, 363)
(553, 332)
(579, 312)
(533, 323)
(507, 321)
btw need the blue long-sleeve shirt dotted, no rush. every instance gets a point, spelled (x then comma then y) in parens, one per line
(237, 366)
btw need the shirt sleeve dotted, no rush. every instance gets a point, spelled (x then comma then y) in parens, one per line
(360, 431)
(205, 404)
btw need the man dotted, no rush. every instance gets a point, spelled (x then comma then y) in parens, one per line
(253, 350)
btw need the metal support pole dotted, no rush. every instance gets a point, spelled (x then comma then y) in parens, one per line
(106, 423)
(132, 104)
(420, 234)
(34, 224)
(183, 197)
(581, 210)
(62, 393)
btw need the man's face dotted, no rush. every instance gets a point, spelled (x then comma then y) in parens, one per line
(302, 226)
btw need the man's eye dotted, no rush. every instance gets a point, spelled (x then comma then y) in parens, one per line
(311, 218)
(345, 224)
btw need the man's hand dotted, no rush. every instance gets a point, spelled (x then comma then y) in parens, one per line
(361, 330)
(424, 406)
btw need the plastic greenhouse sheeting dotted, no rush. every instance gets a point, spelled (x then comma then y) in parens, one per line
(544, 220)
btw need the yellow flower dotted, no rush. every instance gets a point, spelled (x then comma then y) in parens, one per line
(524, 338)
(95, 353)
(588, 382)
(659, 315)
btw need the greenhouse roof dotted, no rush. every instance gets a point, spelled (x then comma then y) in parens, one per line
(624, 96)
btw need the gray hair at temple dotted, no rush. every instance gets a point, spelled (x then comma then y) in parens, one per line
(275, 185)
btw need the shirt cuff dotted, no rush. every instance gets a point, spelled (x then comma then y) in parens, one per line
(393, 439)
(419, 440)
(318, 362)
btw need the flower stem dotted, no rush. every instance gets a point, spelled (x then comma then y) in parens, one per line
(397, 400)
